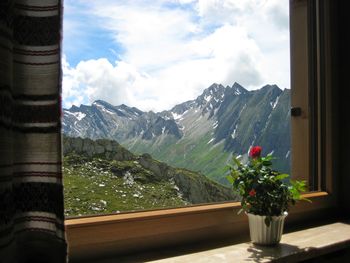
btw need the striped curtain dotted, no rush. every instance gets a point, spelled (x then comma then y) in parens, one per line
(31, 191)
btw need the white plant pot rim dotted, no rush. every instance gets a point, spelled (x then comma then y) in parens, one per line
(284, 214)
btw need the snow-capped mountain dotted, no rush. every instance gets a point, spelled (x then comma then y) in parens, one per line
(200, 134)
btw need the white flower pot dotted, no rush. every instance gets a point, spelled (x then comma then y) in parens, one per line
(261, 234)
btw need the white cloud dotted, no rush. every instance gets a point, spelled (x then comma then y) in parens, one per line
(170, 54)
(277, 11)
(227, 55)
(151, 35)
(97, 79)
(223, 11)
(72, 92)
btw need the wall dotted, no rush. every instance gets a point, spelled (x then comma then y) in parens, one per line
(343, 104)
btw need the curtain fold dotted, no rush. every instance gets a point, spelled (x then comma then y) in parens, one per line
(31, 190)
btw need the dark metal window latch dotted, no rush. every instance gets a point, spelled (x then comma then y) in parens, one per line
(295, 111)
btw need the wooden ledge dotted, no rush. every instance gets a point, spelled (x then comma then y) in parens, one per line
(294, 247)
(133, 233)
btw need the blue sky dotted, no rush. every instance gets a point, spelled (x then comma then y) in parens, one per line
(84, 36)
(155, 54)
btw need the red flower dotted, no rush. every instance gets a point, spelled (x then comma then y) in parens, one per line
(255, 152)
(252, 192)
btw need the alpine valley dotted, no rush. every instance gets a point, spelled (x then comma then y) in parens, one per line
(201, 134)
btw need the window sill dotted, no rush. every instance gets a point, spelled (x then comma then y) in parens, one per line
(294, 247)
(121, 234)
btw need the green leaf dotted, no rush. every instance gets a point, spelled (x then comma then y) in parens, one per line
(236, 161)
(230, 179)
(281, 176)
(267, 163)
(229, 166)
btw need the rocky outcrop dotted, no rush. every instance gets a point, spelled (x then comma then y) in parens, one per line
(103, 148)
(199, 190)
(194, 188)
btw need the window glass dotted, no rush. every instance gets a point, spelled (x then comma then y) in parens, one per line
(159, 95)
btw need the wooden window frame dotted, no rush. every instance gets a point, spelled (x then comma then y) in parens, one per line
(105, 235)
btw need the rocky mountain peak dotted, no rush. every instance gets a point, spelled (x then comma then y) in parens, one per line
(215, 91)
(235, 90)
(211, 98)
(131, 112)
(270, 88)
(102, 103)
(74, 108)
(238, 89)
(214, 88)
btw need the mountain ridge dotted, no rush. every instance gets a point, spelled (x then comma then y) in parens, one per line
(200, 134)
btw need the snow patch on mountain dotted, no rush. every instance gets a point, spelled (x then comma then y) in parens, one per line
(208, 98)
(287, 154)
(178, 116)
(103, 108)
(274, 103)
(212, 139)
(79, 115)
(233, 134)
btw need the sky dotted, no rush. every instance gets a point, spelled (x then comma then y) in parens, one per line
(154, 54)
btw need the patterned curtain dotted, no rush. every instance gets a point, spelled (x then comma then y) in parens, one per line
(31, 191)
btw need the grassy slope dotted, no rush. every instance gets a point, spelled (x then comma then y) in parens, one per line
(184, 153)
(96, 186)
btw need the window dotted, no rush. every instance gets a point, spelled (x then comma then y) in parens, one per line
(120, 233)
(194, 124)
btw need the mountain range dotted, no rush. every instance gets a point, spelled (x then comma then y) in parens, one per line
(200, 134)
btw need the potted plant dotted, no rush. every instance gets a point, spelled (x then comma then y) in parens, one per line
(266, 195)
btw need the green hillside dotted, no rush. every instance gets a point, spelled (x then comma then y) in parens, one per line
(102, 177)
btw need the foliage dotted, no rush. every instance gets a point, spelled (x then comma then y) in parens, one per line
(263, 190)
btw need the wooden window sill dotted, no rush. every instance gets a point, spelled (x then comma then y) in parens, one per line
(294, 247)
(94, 238)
